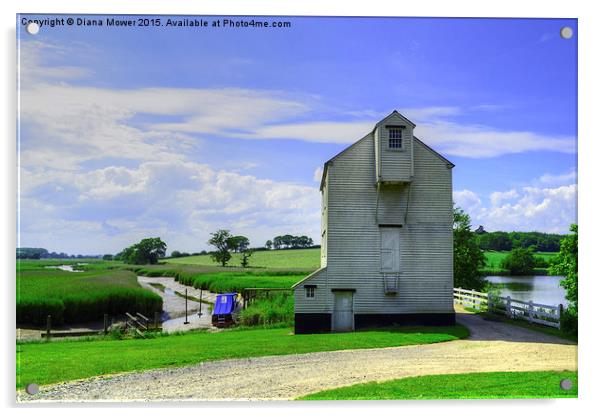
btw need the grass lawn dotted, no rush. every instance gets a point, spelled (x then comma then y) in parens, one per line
(55, 361)
(510, 385)
(78, 296)
(308, 258)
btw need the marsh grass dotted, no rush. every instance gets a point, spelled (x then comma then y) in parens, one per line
(78, 297)
(272, 309)
(223, 280)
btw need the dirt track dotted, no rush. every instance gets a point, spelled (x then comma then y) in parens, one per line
(493, 346)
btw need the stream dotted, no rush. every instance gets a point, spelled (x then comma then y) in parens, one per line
(175, 305)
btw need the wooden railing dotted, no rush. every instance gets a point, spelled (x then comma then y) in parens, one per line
(548, 315)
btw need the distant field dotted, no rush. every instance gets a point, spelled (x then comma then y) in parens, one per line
(494, 258)
(279, 259)
(310, 259)
(78, 296)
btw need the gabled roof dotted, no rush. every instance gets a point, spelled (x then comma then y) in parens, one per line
(394, 112)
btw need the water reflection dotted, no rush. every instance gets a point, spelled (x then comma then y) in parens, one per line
(539, 289)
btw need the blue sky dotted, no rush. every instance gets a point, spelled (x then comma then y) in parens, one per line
(131, 132)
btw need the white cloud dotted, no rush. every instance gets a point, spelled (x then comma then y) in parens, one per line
(527, 209)
(476, 141)
(561, 179)
(466, 199)
(497, 197)
(172, 199)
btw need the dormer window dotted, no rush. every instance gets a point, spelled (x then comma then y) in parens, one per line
(395, 138)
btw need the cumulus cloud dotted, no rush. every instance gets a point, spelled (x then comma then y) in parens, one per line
(527, 209)
(498, 197)
(172, 199)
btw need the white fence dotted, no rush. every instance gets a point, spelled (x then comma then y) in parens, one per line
(548, 315)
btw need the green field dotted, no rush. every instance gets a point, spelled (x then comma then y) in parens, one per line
(308, 258)
(52, 362)
(510, 385)
(78, 296)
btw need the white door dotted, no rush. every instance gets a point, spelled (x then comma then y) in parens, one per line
(389, 249)
(342, 316)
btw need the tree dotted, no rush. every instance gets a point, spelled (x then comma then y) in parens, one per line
(107, 257)
(147, 251)
(238, 243)
(175, 254)
(468, 257)
(277, 242)
(566, 265)
(219, 240)
(244, 260)
(520, 261)
(150, 250)
(268, 244)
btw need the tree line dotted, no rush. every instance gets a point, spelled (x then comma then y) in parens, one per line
(33, 253)
(289, 241)
(506, 241)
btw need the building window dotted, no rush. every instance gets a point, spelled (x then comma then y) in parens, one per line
(310, 292)
(395, 139)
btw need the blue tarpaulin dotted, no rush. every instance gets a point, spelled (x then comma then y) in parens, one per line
(224, 304)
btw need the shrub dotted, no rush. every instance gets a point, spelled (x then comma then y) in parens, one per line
(520, 261)
(569, 321)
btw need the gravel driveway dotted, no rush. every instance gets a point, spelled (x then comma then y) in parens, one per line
(493, 346)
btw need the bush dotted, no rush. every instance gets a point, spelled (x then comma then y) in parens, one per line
(569, 321)
(540, 262)
(520, 261)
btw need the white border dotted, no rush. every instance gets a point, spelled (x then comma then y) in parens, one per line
(590, 176)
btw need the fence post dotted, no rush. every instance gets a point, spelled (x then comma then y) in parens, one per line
(530, 311)
(560, 312)
(48, 326)
(186, 305)
(156, 320)
(509, 306)
(489, 302)
(201, 303)
(106, 324)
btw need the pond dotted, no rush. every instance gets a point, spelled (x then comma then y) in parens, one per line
(66, 267)
(539, 289)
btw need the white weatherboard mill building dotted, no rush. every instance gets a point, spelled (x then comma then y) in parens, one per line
(387, 247)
